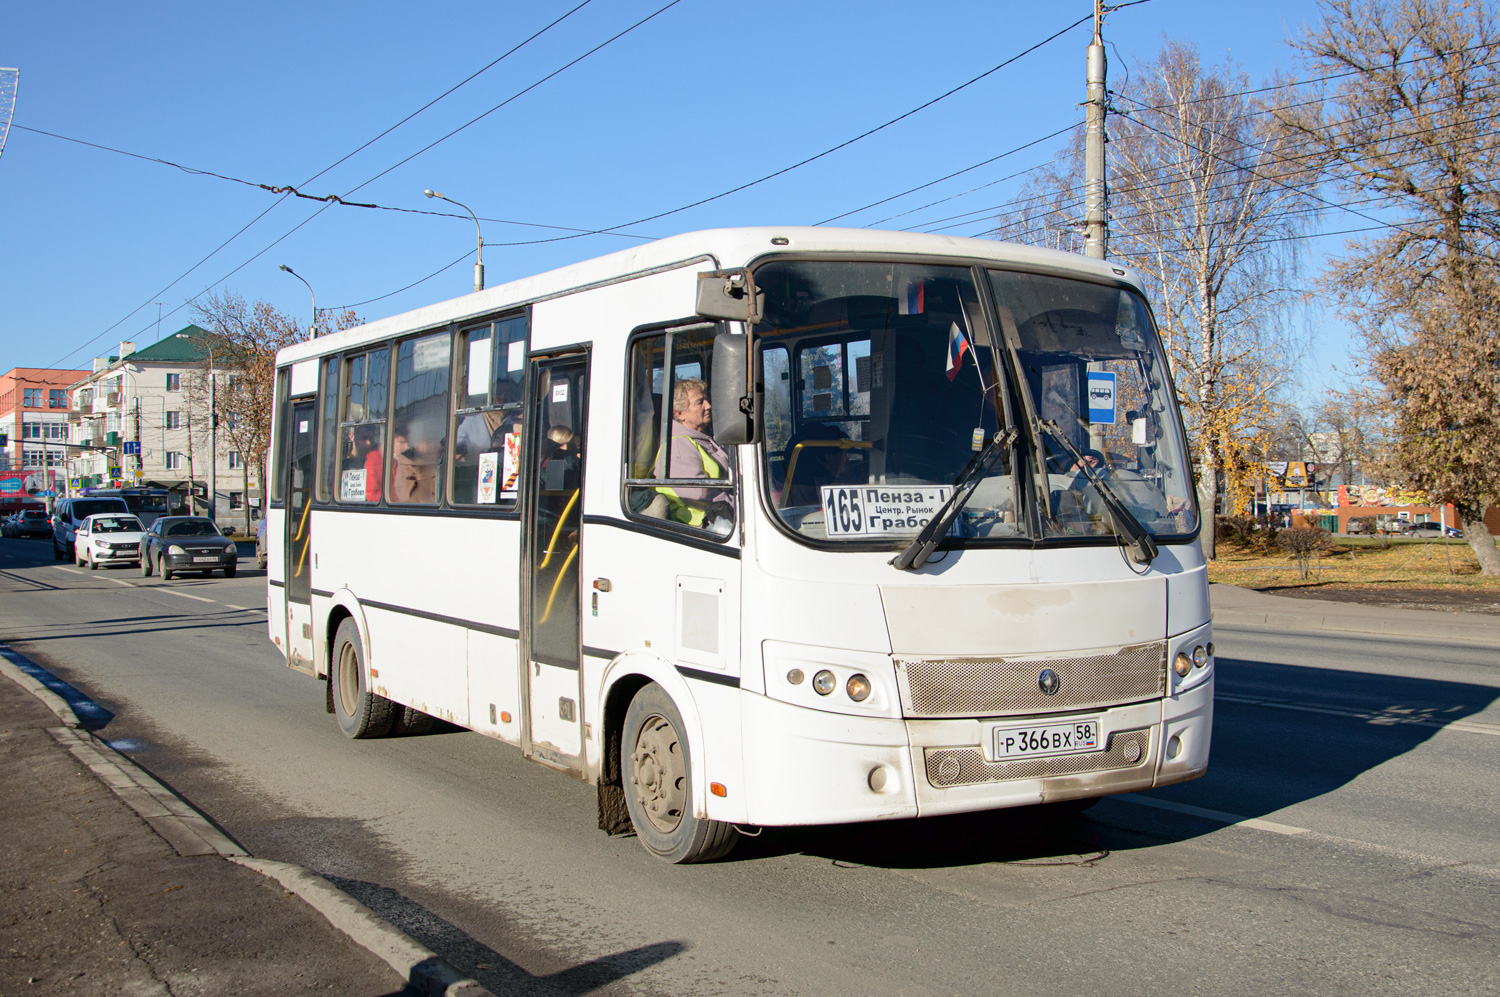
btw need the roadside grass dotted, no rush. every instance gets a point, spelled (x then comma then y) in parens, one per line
(1357, 562)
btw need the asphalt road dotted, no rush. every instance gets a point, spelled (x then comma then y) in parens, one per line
(1347, 838)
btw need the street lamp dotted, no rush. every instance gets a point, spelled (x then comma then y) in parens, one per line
(313, 329)
(479, 261)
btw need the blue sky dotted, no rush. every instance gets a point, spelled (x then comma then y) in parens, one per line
(701, 98)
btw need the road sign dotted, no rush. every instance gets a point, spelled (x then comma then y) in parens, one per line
(138, 474)
(49, 493)
(114, 472)
(132, 447)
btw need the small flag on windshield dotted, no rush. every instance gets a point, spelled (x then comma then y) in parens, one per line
(914, 301)
(958, 345)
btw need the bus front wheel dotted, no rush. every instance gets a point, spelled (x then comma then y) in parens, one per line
(657, 768)
(360, 712)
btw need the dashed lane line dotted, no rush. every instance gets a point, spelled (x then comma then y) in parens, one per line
(185, 595)
(1378, 717)
(121, 581)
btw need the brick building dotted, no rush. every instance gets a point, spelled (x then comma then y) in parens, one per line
(34, 408)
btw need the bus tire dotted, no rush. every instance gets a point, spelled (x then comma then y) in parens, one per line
(657, 770)
(412, 722)
(361, 713)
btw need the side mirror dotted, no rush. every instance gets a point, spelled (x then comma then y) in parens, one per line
(729, 294)
(732, 394)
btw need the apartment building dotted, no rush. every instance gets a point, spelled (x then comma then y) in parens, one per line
(144, 420)
(34, 408)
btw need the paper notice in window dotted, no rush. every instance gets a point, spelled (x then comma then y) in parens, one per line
(352, 485)
(515, 357)
(489, 473)
(479, 365)
(510, 465)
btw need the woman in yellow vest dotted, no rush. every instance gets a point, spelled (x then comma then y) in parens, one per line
(695, 454)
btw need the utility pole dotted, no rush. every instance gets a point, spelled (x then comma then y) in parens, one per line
(1095, 192)
(213, 443)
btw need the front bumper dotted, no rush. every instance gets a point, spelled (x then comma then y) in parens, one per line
(130, 556)
(812, 767)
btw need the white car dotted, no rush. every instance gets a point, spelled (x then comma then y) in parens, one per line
(109, 538)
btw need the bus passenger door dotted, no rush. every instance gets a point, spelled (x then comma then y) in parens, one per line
(298, 544)
(552, 518)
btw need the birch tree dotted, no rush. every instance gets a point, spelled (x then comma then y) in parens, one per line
(1411, 125)
(246, 338)
(1207, 200)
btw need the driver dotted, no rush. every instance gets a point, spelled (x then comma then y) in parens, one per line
(693, 453)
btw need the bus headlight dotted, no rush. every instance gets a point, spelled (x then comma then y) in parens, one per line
(824, 683)
(858, 688)
(1200, 656)
(1182, 664)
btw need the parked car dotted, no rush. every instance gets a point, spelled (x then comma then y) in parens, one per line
(1435, 530)
(109, 538)
(1363, 524)
(9, 524)
(175, 544)
(33, 523)
(67, 513)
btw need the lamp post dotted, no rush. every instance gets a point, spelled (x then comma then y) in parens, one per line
(312, 329)
(479, 261)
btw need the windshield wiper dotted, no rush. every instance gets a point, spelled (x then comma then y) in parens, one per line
(919, 550)
(1129, 529)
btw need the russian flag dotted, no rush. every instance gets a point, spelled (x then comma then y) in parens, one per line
(958, 345)
(914, 301)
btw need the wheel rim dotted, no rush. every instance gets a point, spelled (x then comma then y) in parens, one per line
(348, 683)
(659, 774)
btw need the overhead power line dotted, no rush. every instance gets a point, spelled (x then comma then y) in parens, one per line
(258, 217)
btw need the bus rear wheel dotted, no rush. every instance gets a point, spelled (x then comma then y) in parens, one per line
(361, 713)
(657, 768)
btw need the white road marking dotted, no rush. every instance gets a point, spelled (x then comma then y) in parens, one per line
(243, 609)
(121, 581)
(1215, 815)
(73, 571)
(168, 591)
(1385, 718)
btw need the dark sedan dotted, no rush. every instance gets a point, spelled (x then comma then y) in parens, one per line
(176, 544)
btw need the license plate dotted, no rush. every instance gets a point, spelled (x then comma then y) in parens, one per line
(201, 560)
(1048, 739)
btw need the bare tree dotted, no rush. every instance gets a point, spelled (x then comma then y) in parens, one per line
(246, 338)
(1411, 124)
(1207, 200)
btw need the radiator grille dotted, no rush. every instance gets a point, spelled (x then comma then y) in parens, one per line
(997, 687)
(971, 766)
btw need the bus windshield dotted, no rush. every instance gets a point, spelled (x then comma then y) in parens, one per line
(881, 390)
(876, 400)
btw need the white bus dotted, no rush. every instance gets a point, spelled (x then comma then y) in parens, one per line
(758, 527)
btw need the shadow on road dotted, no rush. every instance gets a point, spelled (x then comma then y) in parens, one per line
(490, 968)
(1282, 735)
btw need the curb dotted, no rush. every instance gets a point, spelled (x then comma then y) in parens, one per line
(1446, 630)
(1454, 630)
(190, 833)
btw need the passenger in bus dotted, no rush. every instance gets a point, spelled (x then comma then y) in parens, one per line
(695, 454)
(416, 453)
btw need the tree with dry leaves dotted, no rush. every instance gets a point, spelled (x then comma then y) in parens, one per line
(246, 338)
(1410, 123)
(1206, 200)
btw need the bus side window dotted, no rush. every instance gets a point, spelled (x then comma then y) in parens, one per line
(671, 435)
(329, 434)
(419, 420)
(488, 396)
(362, 430)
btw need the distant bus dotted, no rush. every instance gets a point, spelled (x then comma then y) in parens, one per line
(148, 504)
(759, 527)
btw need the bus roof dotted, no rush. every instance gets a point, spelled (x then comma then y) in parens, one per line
(719, 248)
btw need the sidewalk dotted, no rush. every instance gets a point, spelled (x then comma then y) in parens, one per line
(110, 884)
(1235, 605)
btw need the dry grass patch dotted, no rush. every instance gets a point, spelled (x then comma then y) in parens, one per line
(1355, 562)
